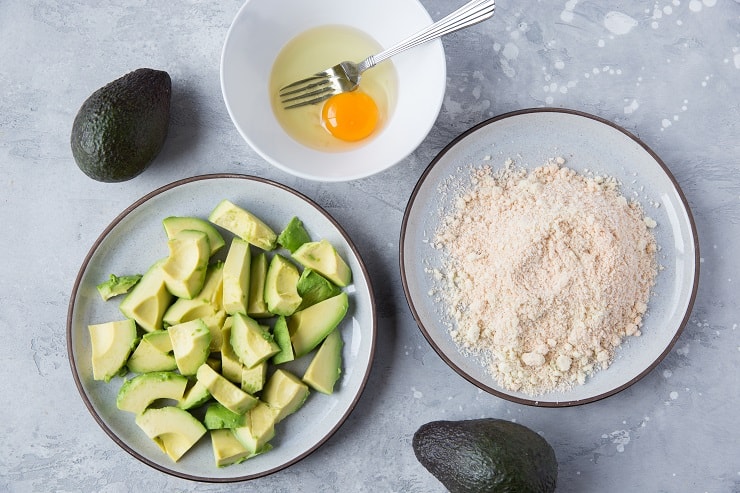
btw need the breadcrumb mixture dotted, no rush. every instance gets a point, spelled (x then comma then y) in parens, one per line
(545, 273)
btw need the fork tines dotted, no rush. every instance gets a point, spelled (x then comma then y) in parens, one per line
(310, 90)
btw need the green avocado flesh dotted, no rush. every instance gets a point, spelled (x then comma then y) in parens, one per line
(486, 455)
(121, 127)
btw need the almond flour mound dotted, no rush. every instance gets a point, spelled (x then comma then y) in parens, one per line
(544, 273)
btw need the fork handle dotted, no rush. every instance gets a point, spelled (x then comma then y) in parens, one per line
(471, 13)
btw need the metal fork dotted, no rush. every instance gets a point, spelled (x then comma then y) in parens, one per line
(345, 76)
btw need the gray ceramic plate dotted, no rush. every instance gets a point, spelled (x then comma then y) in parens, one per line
(135, 239)
(529, 138)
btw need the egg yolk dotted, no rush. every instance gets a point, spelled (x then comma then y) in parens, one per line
(350, 116)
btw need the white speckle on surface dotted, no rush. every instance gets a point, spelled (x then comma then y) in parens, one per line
(620, 438)
(674, 395)
(667, 373)
(619, 23)
(709, 3)
(417, 394)
(560, 65)
(665, 123)
(695, 5)
(510, 51)
(600, 43)
(632, 107)
(567, 14)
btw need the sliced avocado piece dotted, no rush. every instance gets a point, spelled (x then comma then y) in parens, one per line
(252, 344)
(175, 224)
(313, 287)
(218, 416)
(282, 337)
(190, 344)
(310, 326)
(285, 393)
(294, 235)
(213, 286)
(253, 379)
(174, 430)
(117, 285)
(185, 269)
(236, 277)
(227, 450)
(225, 392)
(111, 344)
(184, 310)
(121, 127)
(259, 429)
(137, 394)
(486, 455)
(148, 300)
(215, 325)
(326, 366)
(322, 257)
(281, 293)
(243, 224)
(231, 366)
(256, 306)
(149, 355)
(160, 339)
(196, 394)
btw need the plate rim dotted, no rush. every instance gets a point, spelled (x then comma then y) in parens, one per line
(83, 268)
(533, 401)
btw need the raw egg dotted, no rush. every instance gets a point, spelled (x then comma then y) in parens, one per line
(344, 121)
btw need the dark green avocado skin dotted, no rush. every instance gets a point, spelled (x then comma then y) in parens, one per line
(486, 455)
(121, 127)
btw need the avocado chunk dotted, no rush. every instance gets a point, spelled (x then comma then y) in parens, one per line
(236, 277)
(231, 366)
(137, 394)
(326, 366)
(313, 287)
(243, 224)
(256, 306)
(310, 326)
(259, 427)
(282, 337)
(175, 224)
(148, 300)
(224, 391)
(191, 345)
(294, 235)
(218, 416)
(491, 455)
(253, 379)
(174, 430)
(284, 393)
(117, 285)
(213, 286)
(252, 344)
(281, 293)
(111, 344)
(185, 268)
(121, 127)
(196, 394)
(184, 310)
(322, 257)
(227, 449)
(153, 353)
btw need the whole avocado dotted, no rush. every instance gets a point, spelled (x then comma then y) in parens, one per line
(486, 455)
(121, 127)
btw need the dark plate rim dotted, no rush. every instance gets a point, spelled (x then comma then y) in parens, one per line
(73, 296)
(438, 350)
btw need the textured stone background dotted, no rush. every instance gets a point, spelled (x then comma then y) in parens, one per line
(666, 70)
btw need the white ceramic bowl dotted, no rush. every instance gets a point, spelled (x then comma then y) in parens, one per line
(263, 27)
